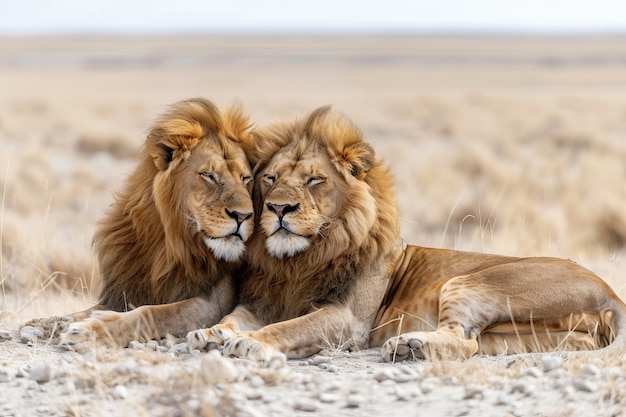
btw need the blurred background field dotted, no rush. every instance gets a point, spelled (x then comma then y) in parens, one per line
(505, 144)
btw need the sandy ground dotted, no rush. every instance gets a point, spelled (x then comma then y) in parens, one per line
(512, 146)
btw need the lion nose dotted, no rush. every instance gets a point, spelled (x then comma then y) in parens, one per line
(282, 209)
(238, 216)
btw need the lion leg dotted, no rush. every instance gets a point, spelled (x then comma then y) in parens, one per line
(580, 331)
(241, 319)
(442, 344)
(470, 305)
(117, 329)
(465, 310)
(299, 337)
(52, 327)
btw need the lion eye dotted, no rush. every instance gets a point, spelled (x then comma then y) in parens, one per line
(269, 179)
(313, 181)
(209, 176)
(246, 179)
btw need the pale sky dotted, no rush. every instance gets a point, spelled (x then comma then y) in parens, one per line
(193, 16)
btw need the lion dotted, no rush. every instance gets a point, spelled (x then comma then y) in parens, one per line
(171, 247)
(328, 267)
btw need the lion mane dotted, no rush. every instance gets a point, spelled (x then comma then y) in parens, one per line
(149, 251)
(363, 236)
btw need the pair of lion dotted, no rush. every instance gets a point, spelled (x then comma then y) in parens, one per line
(312, 256)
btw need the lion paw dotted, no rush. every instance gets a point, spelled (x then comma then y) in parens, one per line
(210, 339)
(77, 337)
(104, 328)
(437, 345)
(245, 346)
(50, 328)
(403, 348)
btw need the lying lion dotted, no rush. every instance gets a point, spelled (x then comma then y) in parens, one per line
(328, 267)
(173, 240)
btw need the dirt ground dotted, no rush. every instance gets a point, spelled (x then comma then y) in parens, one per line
(504, 145)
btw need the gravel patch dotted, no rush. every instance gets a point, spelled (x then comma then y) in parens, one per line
(164, 378)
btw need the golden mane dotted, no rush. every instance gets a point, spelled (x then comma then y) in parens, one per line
(147, 251)
(280, 289)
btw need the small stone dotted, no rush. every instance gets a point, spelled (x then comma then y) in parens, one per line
(217, 369)
(532, 372)
(328, 398)
(405, 394)
(193, 405)
(552, 363)
(5, 334)
(30, 334)
(67, 387)
(318, 359)
(522, 386)
(427, 387)
(7, 374)
(473, 391)
(304, 404)
(398, 374)
(152, 345)
(40, 373)
(383, 374)
(333, 369)
(405, 374)
(585, 386)
(135, 345)
(21, 372)
(167, 343)
(256, 381)
(180, 348)
(503, 399)
(253, 394)
(354, 400)
(126, 367)
(589, 371)
(120, 392)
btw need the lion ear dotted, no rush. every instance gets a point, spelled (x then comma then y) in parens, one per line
(161, 153)
(172, 139)
(360, 157)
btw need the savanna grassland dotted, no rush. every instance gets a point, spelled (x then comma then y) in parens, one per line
(506, 145)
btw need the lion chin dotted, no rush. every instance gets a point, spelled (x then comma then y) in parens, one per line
(229, 248)
(284, 244)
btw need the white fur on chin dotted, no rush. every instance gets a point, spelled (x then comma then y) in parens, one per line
(286, 245)
(229, 249)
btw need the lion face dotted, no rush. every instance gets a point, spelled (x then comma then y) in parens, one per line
(218, 204)
(203, 185)
(300, 198)
(314, 190)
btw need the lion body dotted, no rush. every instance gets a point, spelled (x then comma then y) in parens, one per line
(506, 304)
(328, 268)
(170, 248)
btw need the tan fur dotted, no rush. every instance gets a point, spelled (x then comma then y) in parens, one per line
(329, 292)
(450, 305)
(175, 232)
(352, 283)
